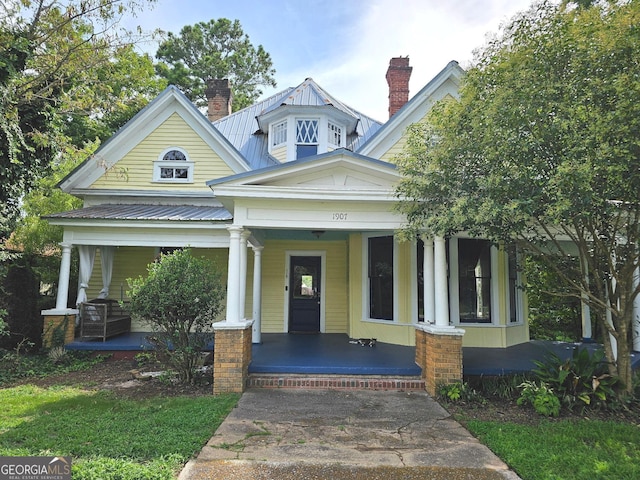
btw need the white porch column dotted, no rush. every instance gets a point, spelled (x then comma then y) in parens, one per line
(585, 310)
(233, 276)
(428, 282)
(256, 336)
(441, 293)
(63, 278)
(244, 236)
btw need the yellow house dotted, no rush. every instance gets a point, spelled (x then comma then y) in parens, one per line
(293, 198)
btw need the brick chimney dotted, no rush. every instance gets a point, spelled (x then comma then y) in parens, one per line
(398, 75)
(219, 99)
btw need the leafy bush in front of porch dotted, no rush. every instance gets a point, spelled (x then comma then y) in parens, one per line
(179, 300)
(579, 381)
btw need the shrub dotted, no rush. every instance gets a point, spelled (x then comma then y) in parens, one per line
(179, 299)
(458, 392)
(540, 397)
(582, 379)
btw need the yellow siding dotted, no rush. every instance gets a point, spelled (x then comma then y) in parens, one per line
(396, 148)
(280, 154)
(135, 170)
(273, 283)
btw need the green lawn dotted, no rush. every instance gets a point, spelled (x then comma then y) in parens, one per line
(567, 449)
(109, 437)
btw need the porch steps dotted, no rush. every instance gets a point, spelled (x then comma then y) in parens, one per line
(336, 382)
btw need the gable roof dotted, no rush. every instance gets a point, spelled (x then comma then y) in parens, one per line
(446, 82)
(243, 128)
(340, 174)
(170, 101)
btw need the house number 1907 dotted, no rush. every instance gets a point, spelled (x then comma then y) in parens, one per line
(339, 216)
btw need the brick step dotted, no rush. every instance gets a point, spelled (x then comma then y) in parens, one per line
(336, 382)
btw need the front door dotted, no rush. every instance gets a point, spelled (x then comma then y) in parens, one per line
(304, 295)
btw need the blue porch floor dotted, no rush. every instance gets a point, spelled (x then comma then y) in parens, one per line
(333, 354)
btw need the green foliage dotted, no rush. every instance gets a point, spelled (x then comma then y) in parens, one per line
(581, 380)
(15, 366)
(554, 310)
(498, 386)
(458, 392)
(541, 397)
(179, 300)
(20, 295)
(542, 147)
(109, 438)
(54, 59)
(216, 49)
(558, 449)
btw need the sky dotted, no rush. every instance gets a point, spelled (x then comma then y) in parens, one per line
(346, 45)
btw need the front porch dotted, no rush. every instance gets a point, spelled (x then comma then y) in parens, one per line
(332, 354)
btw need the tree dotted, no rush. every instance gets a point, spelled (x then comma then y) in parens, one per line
(542, 149)
(179, 299)
(49, 54)
(215, 49)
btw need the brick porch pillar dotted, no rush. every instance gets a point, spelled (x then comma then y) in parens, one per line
(231, 356)
(439, 354)
(59, 325)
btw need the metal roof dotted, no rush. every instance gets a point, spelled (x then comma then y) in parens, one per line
(242, 130)
(146, 212)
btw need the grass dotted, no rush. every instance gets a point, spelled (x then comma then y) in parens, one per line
(576, 449)
(108, 437)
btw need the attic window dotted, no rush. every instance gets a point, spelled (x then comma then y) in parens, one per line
(335, 135)
(279, 134)
(173, 166)
(306, 138)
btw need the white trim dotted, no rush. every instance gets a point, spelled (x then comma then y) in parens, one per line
(495, 287)
(365, 278)
(140, 127)
(518, 290)
(323, 277)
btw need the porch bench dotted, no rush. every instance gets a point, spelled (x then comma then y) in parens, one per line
(103, 318)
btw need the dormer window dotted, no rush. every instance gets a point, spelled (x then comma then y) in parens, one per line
(335, 135)
(279, 134)
(296, 132)
(173, 166)
(306, 138)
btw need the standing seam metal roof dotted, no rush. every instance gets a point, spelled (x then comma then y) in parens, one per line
(147, 212)
(241, 128)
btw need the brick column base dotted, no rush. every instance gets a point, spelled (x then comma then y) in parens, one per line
(439, 354)
(231, 356)
(59, 327)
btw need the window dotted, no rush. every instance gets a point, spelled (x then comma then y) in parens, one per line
(306, 138)
(335, 135)
(420, 278)
(279, 134)
(380, 273)
(474, 280)
(514, 292)
(173, 166)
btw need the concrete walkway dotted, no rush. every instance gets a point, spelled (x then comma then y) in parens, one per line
(329, 434)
